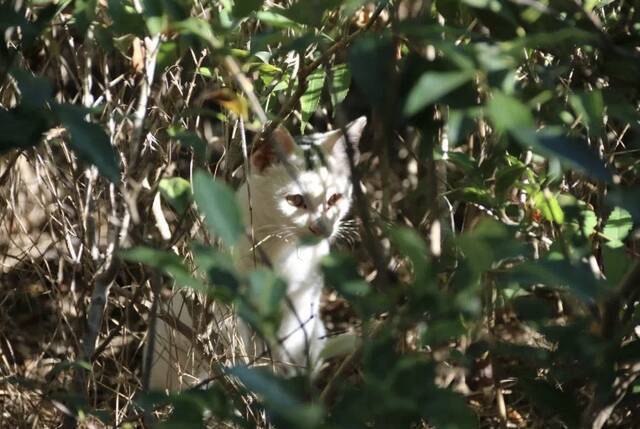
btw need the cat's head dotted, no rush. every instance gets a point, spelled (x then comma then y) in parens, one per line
(305, 189)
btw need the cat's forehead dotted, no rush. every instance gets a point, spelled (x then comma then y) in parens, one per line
(315, 182)
(310, 153)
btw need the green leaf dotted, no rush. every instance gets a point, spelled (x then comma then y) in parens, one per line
(219, 206)
(572, 152)
(167, 262)
(370, 66)
(340, 345)
(168, 54)
(617, 227)
(340, 272)
(177, 192)
(340, 82)
(277, 398)
(276, 20)
(190, 139)
(507, 176)
(441, 331)
(200, 28)
(310, 12)
(84, 12)
(590, 106)
(218, 266)
(35, 91)
(489, 243)
(616, 263)
(448, 410)
(628, 198)
(548, 204)
(21, 129)
(309, 101)
(262, 304)
(553, 400)
(410, 244)
(460, 123)
(125, 19)
(507, 113)
(68, 364)
(432, 86)
(560, 274)
(89, 140)
(579, 215)
(242, 8)
(191, 407)
(476, 194)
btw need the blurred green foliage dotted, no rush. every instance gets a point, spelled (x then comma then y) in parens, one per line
(546, 91)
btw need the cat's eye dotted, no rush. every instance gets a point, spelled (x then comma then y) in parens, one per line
(296, 200)
(333, 199)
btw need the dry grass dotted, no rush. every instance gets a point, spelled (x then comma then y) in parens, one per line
(61, 226)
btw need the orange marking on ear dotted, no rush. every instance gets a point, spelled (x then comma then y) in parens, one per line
(265, 155)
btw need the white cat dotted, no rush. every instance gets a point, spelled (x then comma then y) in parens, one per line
(305, 190)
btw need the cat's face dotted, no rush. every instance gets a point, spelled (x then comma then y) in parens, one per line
(311, 192)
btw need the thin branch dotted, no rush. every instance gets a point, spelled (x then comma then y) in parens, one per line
(152, 47)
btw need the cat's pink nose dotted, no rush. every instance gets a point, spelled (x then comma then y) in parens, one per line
(316, 229)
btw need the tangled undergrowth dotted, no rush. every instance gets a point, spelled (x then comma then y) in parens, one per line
(494, 276)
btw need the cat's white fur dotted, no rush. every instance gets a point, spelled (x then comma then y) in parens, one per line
(277, 227)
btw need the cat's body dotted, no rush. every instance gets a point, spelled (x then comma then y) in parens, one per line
(295, 192)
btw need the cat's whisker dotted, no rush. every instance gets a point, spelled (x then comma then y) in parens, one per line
(283, 235)
(274, 227)
(347, 231)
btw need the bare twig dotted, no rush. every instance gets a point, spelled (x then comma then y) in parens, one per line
(152, 47)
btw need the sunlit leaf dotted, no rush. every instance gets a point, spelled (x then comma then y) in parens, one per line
(341, 79)
(339, 345)
(177, 192)
(548, 204)
(309, 101)
(627, 198)
(276, 20)
(617, 227)
(231, 101)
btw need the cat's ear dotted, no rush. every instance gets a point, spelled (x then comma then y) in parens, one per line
(267, 154)
(335, 142)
